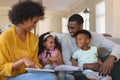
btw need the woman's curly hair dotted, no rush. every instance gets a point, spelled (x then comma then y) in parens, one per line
(25, 10)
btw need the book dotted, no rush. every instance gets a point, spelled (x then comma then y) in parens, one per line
(66, 68)
(57, 68)
(34, 70)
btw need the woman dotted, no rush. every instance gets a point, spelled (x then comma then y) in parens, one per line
(19, 47)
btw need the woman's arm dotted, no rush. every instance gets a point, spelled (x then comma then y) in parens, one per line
(28, 62)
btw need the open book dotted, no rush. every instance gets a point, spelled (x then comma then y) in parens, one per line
(33, 70)
(66, 68)
(57, 68)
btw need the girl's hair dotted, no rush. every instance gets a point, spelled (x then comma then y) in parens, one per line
(43, 38)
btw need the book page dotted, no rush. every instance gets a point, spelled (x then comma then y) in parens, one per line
(66, 68)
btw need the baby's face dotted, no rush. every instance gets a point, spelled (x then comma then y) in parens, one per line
(50, 43)
(82, 40)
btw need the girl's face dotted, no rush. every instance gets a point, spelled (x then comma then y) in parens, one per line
(49, 43)
(82, 40)
(29, 24)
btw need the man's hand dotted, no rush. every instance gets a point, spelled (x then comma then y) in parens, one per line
(92, 66)
(107, 66)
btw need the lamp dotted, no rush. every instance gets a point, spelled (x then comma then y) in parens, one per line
(86, 10)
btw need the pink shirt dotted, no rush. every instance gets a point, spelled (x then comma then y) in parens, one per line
(44, 58)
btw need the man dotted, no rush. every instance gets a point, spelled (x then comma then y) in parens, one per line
(75, 23)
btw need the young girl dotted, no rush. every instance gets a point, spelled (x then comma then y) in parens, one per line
(50, 54)
(49, 50)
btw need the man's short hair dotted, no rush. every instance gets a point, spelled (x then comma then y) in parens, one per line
(76, 17)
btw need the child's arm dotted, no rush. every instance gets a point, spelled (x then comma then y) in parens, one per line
(74, 62)
(57, 59)
(40, 60)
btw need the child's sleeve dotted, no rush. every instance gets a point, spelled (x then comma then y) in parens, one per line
(75, 56)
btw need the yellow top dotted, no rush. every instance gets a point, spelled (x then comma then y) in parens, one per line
(13, 49)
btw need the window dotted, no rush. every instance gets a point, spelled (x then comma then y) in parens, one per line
(64, 25)
(85, 16)
(100, 17)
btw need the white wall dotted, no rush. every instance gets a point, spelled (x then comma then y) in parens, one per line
(116, 15)
(79, 7)
(3, 18)
(52, 22)
(113, 17)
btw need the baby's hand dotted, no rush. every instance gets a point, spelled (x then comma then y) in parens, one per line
(74, 62)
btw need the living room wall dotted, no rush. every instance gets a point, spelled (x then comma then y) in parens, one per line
(53, 21)
(112, 15)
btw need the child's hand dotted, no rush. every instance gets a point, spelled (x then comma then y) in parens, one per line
(74, 62)
(52, 59)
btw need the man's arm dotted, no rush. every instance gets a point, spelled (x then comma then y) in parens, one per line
(114, 48)
(109, 45)
(92, 66)
(108, 64)
(66, 49)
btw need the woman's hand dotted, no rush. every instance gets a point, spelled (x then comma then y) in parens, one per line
(28, 62)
